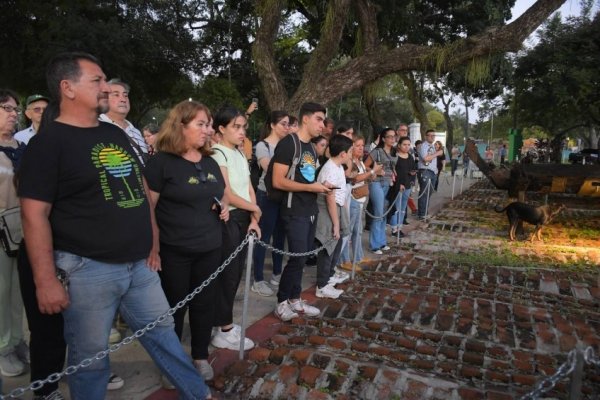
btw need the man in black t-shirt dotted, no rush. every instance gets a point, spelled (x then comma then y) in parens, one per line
(300, 216)
(87, 223)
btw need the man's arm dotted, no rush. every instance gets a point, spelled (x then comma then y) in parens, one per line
(287, 185)
(51, 295)
(428, 157)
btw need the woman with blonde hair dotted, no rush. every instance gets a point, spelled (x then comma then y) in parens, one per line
(186, 186)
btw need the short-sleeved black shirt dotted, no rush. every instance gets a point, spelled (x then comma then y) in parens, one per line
(183, 212)
(92, 178)
(303, 203)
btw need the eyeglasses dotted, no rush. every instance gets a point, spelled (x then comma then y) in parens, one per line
(10, 109)
(201, 174)
(37, 110)
(284, 124)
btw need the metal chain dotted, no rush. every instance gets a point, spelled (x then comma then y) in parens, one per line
(424, 190)
(286, 253)
(392, 204)
(548, 383)
(71, 369)
(590, 357)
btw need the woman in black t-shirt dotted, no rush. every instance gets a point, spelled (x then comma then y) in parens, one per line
(186, 186)
(406, 171)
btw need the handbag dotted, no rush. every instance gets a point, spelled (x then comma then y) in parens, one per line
(11, 231)
(360, 192)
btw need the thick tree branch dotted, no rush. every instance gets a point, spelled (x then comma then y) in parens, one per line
(368, 67)
(263, 52)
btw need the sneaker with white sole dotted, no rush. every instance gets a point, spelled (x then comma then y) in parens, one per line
(339, 277)
(302, 308)
(115, 382)
(377, 251)
(385, 248)
(10, 365)
(231, 339)
(328, 291)
(262, 288)
(275, 279)
(115, 336)
(205, 369)
(284, 311)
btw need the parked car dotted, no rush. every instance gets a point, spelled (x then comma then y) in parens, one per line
(591, 156)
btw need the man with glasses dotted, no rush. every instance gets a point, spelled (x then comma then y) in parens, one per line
(427, 173)
(34, 108)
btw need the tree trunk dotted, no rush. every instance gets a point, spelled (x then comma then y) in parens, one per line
(416, 101)
(368, 92)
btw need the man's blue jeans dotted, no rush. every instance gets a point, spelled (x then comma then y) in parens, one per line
(356, 229)
(96, 291)
(377, 193)
(427, 179)
(270, 225)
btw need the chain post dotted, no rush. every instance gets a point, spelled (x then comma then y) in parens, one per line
(453, 184)
(246, 293)
(577, 377)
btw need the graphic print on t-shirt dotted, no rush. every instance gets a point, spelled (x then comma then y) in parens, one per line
(308, 166)
(117, 170)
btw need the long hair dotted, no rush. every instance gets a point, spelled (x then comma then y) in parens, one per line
(382, 135)
(170, 138)
(274, 118)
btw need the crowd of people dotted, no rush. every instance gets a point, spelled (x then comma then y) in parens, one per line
(125, 222)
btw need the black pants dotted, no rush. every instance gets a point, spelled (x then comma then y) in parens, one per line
(326, 263)
(181, 273)
(46, 344)
(300, 234)
(228, 281)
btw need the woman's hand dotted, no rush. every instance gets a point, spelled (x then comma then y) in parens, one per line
(153, 260)
(254, 227)
(224, 215)
(336, 232)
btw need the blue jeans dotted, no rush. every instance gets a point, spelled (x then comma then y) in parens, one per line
(425, 176)
(270, 225)
(401, 204)
(377, 193)
(356, 229)
(300, 234)
(96, 291)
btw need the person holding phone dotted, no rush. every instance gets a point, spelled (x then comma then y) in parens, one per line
(184, 182)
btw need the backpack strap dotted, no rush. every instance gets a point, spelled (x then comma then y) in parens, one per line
(292, 171)
(222, 152)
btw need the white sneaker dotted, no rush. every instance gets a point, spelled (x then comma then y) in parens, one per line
(304, 309)
(329, 291)
(115, 382)
(284, 311)
(275, 280)
(378, 251)
(10, 365)
(339, 277)
(115, 336)
(231, 339)
(385, 248)
(205, 369)
(262, 288)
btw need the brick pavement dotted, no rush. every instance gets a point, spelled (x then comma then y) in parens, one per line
(416, 326)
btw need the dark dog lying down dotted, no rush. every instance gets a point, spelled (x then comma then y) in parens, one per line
(518, 212)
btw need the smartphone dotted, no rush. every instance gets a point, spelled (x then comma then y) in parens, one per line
(255, 101)
(218, 205)
(334, 188)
